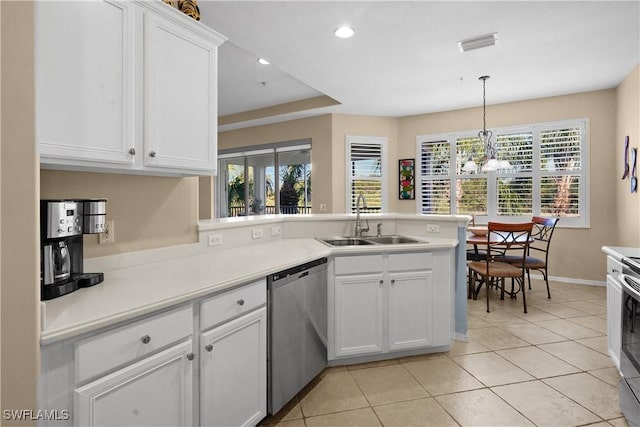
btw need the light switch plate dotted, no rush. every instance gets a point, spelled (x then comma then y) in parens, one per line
(257, 233)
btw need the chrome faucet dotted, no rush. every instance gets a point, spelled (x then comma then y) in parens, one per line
(359, 227)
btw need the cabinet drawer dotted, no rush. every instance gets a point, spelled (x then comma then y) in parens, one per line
(410, 261)
(233, 303)
(358, 264)
(613, 266)
(102, 352)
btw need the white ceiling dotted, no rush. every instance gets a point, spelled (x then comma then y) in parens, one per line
(403, 59)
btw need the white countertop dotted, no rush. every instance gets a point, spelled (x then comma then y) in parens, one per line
(618, 252)
(134, 291)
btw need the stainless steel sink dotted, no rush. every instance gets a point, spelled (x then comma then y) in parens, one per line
(346, 241)
(369, 240)
(392, 240)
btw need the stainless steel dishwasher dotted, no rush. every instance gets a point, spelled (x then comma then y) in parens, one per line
(296, 330)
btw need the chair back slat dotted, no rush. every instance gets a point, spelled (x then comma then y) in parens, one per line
(542, 232)
(514, 237)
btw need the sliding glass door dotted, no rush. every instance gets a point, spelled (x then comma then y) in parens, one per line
(248, 183)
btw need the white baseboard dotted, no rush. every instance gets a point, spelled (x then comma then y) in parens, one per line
(570, 280)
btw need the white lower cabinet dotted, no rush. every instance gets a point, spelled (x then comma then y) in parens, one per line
(152, 371)
(614, 310)
(233, 378)
(410, 301)
(391, 302)
(358, 314)
(155, 391)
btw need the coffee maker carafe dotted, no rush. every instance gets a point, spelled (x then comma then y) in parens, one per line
(62, 224)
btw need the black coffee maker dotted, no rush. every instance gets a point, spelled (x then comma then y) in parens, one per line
(62, 224)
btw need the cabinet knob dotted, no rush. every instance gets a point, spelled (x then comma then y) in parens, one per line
(152, 153)
(145, 339)
(393, 281)
(381, 282)
(191, 356)
(208, 347)
(615, 270)
(240, 302)
(132, 151)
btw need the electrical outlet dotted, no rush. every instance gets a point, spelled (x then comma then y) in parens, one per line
(257, 233)
(275, 230)
(109, 234)
(215, 239)
(433, 228)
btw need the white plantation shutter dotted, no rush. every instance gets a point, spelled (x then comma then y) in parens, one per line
(548, 175)
(471, 187)
(366, 160)
(515, 186)
(435, 182)
(561, 172)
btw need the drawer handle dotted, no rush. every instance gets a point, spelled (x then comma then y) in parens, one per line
(241, 302)
(615, 270)
(152, 153)
(208, 347)
(145, 339)
(191, 356)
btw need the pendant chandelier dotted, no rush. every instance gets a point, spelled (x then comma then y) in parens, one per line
(490, 150)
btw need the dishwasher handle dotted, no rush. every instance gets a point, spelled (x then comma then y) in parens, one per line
(306, 273)
(294, 271)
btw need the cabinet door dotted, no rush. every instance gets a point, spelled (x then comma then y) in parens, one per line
(233, 376)
(410, 310)
(358, 314)
(84, 80)
(614, 318)
(180, 97)
(156, 391)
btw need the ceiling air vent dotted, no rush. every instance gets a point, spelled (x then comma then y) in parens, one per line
(478, 42)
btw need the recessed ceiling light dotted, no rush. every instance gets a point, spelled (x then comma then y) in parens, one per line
(478, 42)
(344, 32)
(263, 61)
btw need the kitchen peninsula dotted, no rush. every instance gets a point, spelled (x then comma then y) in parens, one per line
(159, 310)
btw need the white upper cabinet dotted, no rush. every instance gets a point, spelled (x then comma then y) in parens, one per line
(128, 87)
(180, 96)
(84, 72)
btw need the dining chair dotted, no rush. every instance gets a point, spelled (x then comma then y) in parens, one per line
(514, 237)
(541, 234)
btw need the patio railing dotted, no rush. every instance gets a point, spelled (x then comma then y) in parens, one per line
(290, 210)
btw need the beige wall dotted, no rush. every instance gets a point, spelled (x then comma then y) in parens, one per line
(583, 260)
(149, 211)
(317, 128)
(20, 270)
(628, 123)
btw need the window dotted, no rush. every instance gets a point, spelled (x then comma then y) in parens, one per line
(548, 174)
(366, 160)
(265, 180)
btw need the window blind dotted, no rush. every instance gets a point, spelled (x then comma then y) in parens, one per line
(547, 175)
(365, 164)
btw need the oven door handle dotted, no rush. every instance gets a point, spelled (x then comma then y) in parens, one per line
(630, 289)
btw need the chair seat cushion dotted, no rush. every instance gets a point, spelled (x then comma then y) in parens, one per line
(530, 262)
(496, 269)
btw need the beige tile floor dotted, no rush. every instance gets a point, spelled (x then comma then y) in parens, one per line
(548, 367)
